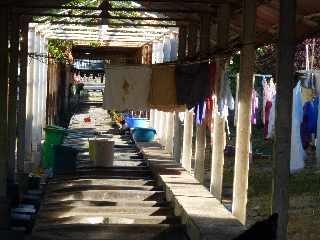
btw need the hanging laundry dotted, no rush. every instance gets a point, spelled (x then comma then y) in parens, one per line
(297, 152)
(166, 50)
(254, 106)
(307, 79)
(272, 118)
(317, 82)
(200, 112)
(307, 95)
(163, 89)
(309, 123)
(209, 110)
(127, 87)
(192, 84)
(267, 110)
(225, 99)
(173, 49)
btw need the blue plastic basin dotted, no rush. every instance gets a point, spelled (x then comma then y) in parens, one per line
(143, 134)
(137, 122)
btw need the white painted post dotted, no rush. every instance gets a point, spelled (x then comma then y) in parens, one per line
(29, 100)
(241, 172)
(177, 138)
(21, 144)
(151, 118)
(170, 132)
(219, 135)
(187, 141)
(217, 157)
(200, 153)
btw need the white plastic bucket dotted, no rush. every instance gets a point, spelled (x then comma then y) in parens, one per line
(102, 152)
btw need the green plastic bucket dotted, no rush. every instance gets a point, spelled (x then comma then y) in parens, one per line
(54, 136)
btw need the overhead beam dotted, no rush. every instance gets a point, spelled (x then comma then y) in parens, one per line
(118, 9)
(109, 24)
(44, 27)
(112, 17)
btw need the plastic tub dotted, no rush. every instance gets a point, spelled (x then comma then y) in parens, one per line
(138, 123)
(144, 134)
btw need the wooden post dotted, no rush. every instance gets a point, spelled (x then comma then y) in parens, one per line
(219, 135)
(177, 135)
(21, 144)
(283, 119)
(241, 172)
(29, 95)
(187, 141)
(201, 129)
(13, 84)
(188, 120)
(170, 131)
(4, 209)
(151, 118)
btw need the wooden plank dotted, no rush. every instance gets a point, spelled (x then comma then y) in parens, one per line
(280, 203)
(240, 183)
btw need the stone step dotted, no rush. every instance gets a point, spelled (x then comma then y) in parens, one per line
(54, 183)
(63, 178)
(63, 211)
(116, 163)
(117, 219)
(100, 187)
(115, 168)
(110, 232)
(110, 172)
(109, 195)
(124, 203)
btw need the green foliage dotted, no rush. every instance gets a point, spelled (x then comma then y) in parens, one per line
(95, 44)
(57, 48)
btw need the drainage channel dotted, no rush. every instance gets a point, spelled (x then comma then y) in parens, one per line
(118, 202)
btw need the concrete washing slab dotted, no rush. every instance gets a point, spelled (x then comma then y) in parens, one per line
(204, 216)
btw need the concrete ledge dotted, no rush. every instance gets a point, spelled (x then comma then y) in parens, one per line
(205, 217)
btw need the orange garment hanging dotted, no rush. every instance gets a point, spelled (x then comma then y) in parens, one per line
(162, 94)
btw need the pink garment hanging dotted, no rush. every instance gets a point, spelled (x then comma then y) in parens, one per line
(266, 118)
(254, 107)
